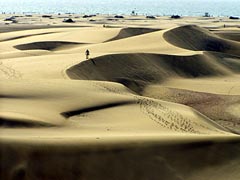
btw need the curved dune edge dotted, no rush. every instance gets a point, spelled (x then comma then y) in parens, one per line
(195, 38)
(145, 43)
(220, 108)
(137, 70)
(131, 31)
(24, 36)
(70, 107)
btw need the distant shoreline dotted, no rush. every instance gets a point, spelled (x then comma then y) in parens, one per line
(194, 8)
(113, 14)
(18, 22)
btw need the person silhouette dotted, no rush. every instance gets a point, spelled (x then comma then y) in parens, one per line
(87, 53)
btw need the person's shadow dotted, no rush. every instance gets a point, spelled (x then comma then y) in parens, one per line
(92, 60)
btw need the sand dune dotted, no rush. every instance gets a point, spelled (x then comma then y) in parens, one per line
(146, 43)
(129, 161)
(232, 34)
(129, 32)
(26, 26)
(218, 107)
(71, 35)
(150, 68)
(4, 38)
(229, 35)
(139, 71)
(195, 38)
(48, 105)
(156, 100)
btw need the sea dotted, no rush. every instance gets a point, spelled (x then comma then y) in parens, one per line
(124, 7)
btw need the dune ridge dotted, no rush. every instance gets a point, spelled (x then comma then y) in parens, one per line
(23, 36)
(139, 71)
(232, 35)
(166, 116)
(196, 38)
(132, 31)
(150, 68)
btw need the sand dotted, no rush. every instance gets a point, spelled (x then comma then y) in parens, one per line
(158, 99)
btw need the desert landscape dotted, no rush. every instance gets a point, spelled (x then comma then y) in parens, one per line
(157, 98)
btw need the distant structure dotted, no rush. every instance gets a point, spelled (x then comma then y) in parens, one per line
(89, 16)
(68, 20)
(46, 16)
(150, 17)
(206, 14)
(175, 16)
(232, 17)
(133, 13)
(10, 18)
(118, 16)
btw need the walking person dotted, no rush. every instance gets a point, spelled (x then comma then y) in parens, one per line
(87, 53)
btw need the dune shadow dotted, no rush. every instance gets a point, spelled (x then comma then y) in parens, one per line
(131, 31)
(46, 45)
(16, 123)
(94, 108)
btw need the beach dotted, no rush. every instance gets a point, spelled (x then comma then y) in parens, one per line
(157, 98)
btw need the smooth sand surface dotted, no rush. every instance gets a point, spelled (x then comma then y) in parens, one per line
(158, 99)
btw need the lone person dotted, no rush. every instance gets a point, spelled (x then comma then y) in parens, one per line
(87, 54)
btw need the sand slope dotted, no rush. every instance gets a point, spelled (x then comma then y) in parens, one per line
(151, 68)
(195, 38)
(131, 31)
(47, 105)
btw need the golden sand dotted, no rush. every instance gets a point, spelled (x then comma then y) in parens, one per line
(158, 99)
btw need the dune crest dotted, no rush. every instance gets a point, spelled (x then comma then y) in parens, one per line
(131, 31)
(150, 68)
(199, 39)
